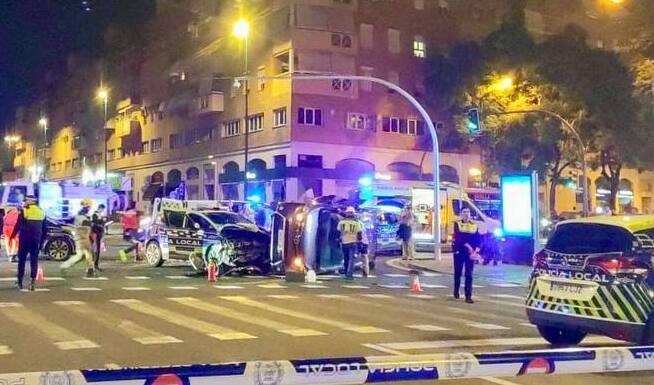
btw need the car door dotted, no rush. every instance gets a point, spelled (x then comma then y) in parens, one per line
(198, 227)
(179, 236)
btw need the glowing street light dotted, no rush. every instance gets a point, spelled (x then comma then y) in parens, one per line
(474, 172)
(503, 83)
(103, 94)
(241, 29)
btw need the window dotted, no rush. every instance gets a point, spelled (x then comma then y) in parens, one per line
(75, 163)
(232, 128)
(309, 161)
(155, 145)
(175, 141)
(412, 126)
(283, 63)
(419, 4)
(366, 33)
(419, 47)
(279, 117)
(336, 40)
(174, 218)
(366, 85)
(255, 123)
(394, 77)
(77, 141)
(443, 7)
(230, 191)
(346, 42)
(393, 40)
(309, 116)
(261, 83)
(279, 190)
(120, 153)
(280, 161)
(359, 121)
(202, 222)
(390, 124)
(145, 147)
(68, 162)
(111, 154)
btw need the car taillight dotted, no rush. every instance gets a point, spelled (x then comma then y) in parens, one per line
(620, 265)
(540, 259)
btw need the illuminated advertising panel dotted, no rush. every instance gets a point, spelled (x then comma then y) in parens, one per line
(518, 205)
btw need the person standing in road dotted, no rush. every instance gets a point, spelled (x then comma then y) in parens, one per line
(130, 223)
(83, 244)
(351, 233)
(8, 226)
(466, 245)
(30, 228)
(405, 232)
(99, 220)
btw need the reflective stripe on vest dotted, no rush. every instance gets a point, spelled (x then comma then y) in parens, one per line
(467, 227)
(33, 213)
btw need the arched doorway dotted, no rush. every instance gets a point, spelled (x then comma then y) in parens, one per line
(602, 195)
(626, 197)
(404, 171)
(448, 174)
(348, 172)
(230, 181)
(192, 183)
(173, 179)
(255, 180)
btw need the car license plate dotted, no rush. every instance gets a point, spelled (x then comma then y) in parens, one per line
(570, 288)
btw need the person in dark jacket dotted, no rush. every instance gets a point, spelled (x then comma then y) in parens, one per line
(466, 245)
(30, 229)
(98, 220)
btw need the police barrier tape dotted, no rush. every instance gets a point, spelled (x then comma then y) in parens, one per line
(360, 370)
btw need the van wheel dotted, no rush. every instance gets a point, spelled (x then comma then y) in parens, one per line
(558, 336)
(153, 254)
(58, 249)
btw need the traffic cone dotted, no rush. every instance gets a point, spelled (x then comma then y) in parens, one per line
(415, 284)
(212, 272)
(40, 277)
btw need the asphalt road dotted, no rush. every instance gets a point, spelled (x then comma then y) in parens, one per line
(138, 316)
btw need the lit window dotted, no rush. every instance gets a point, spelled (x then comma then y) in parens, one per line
(419, 47)
(309, 116)
(279, 117)
(232, 128)
(356, 121)
(145, 147)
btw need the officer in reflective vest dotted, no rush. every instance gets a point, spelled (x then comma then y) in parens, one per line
(466, 245)
(351, 233)
(30, 229)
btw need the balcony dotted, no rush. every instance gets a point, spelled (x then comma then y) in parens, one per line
(212, 102)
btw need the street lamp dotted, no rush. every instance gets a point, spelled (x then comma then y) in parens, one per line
(103, 94)
(241, 30)
(503, 83)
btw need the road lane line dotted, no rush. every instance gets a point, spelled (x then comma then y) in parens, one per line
(396, 275)
(282, 296)
(507, 296)
(228, 287)
(85, 289)
(245, 317)
(498, 381)
(428, 328)
(421, 296)
(310, 286)
(506, 285)
(305, 316)
(384, 350)
(378, 296)
(431, 286)
(135, 277)
(61, 337)
(406, 286)
(273, 286)
(5, 350)
(177, 277)
(136, 288)
(355, 287)
(95, 278)
(332, 296)
(210, 329)
(486, 326)
(10, 304)
(182, 287)
(126, 327)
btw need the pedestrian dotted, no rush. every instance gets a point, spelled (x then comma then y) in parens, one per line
(8, 225)
(466, 245)
(30, 228)
(130, 223)
(98, 220)
(83, 243)
(405, 232)
(351, 233)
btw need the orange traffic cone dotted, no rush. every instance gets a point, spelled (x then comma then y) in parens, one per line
(40, 277)
(212, 272)
(415, 284)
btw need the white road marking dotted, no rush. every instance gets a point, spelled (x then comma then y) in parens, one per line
(282, 296)
(332, 296)
(384, 296)
(135, 277)
(41, 289)
(182, 287)
(136, 288)
(498, 381)
(384, 350)
(395, 286)
(430, 274)
(506, 285)
(157, 340)
(211, 329)
(244, 317)
(359, 275)
(431, 286)
(177, 277)
(55, 278)
(95, 278)
(396, 275)
(427, 328)
(421, 296)
(111, 365)
(10, 304)
(310, 286)
(69, 303)
(478, 286)
(491, 342)
(228, 287)
(527, 324)
(77, 344)
(315, 318)
(509, 296)
(85, 289)
(4, 350)
(355, 287)
(485, 326)
(273, 286)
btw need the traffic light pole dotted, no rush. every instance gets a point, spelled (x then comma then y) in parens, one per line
(582, 149)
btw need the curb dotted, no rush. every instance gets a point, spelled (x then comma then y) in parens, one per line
(362, 370)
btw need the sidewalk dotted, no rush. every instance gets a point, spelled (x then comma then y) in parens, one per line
(507, 273)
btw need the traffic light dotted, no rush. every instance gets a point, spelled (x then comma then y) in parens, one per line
(473, 124)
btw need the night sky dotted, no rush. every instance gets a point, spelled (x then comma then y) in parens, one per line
(36, 36)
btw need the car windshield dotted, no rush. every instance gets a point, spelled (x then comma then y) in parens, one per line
(588, 238)
(226, 218)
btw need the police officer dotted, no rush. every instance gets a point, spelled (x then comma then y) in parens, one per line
(466, 245)
(351, 234)
(30, 229)
(98, 220)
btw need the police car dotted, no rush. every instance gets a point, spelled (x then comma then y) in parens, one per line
(201, 235)
(595, 276)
